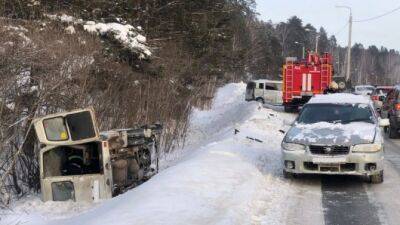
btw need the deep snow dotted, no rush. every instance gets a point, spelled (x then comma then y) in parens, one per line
(219, 178)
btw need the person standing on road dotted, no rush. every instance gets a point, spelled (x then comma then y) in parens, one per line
(333, 88)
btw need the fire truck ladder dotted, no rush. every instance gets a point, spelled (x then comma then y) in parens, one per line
(289, 79)
(325, 78)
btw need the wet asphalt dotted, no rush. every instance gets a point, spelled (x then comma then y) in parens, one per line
(345, 199)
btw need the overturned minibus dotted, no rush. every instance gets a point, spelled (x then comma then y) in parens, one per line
(79, 163)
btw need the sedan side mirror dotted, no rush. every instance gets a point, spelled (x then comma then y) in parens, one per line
(384, 122)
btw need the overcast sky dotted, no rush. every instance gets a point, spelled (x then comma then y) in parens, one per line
(381, 32)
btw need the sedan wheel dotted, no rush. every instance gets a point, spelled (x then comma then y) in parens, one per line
(386, 130)
(377, 178)
(288, 175)
(260, 100)
(393, 132)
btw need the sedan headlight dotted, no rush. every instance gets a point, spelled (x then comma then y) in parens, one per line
(293, 147)
(367, 148)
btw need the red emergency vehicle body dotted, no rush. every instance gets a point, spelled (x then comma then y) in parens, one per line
(305, 78)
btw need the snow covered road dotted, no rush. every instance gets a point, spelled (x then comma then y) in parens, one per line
(226, 178)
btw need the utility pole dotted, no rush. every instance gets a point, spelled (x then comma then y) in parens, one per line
(348, 68)
(303, 48)
(349, 49)
(303, 44)
(316, 43)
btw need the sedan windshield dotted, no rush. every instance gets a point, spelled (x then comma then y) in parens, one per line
(382, 91)
(335, 113)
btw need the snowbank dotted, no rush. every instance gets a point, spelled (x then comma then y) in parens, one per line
(32, 210)
(225, 179)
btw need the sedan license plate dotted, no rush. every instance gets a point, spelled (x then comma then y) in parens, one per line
(329, 160)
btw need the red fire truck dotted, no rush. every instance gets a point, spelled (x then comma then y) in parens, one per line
(304, 78)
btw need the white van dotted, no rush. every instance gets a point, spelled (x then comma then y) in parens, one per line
(264, 91)
(363, 90)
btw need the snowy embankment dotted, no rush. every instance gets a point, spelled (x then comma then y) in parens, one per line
(223, 179)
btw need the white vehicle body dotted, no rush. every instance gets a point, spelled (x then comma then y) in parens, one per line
(363, 89)
(79, 163)
(265, 91)
(315, 145)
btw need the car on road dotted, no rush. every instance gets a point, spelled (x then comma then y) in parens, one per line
(335, 134)
(391, 110)
(265, 91)
(363, 89)
(379, 95)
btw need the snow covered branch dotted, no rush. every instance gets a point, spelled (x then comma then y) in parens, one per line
(126, 35)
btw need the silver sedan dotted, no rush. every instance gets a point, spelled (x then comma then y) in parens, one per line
(335, 134)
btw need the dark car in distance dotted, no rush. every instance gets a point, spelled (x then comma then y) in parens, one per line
(378, 96)
(391, 109)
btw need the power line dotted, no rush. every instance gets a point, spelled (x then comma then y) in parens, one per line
(341, 29)
(379, 16)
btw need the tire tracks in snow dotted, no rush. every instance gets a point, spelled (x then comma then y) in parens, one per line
(305, 205)
(385, 195)
(332, 200)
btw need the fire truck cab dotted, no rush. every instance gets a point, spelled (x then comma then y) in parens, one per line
(304, 78)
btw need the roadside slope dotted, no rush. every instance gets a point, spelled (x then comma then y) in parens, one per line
(224, 179)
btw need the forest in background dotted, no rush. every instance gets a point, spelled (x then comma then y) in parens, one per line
(50, 63)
